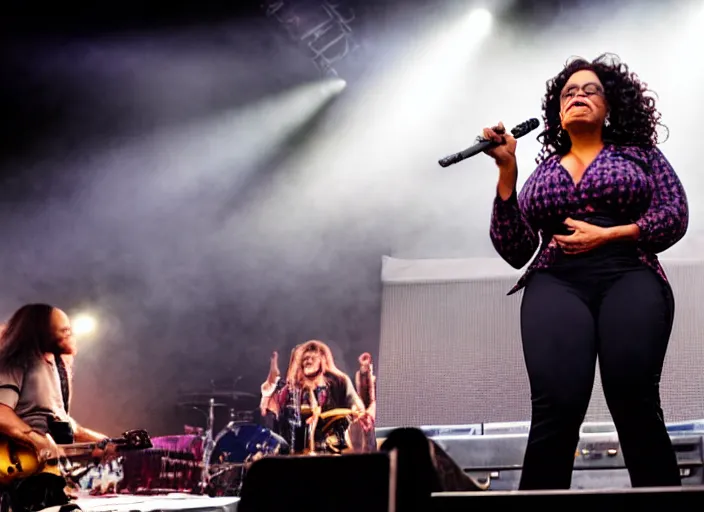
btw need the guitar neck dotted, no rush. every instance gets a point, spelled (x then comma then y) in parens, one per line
(82, 449)
(130, 440)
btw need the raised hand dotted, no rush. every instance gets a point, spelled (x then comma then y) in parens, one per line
(274, 372)
(505, 157)
(365, 361)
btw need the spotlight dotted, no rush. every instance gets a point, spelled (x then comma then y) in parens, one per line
(83, 324)
(480, 20)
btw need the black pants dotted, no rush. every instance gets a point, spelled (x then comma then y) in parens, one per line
(565, 324)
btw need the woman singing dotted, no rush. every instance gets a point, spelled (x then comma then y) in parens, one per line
(601, 204)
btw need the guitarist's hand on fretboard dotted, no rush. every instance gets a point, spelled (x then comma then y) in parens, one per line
(108, 449)
(106, 454)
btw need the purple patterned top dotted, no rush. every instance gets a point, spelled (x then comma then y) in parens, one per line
(634, 184)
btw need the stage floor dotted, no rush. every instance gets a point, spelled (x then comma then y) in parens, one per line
(127, 503)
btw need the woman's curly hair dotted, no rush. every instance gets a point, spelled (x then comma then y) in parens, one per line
(633, 118)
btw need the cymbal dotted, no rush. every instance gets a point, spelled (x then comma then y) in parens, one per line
(224, 394)
(199, 403)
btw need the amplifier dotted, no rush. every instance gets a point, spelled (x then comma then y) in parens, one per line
(493, 454)
(598, 459)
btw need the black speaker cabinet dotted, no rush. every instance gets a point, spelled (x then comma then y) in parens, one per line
(346, 483)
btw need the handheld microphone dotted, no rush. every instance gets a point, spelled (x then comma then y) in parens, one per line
(483, 144)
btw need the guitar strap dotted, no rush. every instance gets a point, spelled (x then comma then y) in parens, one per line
(63, 379)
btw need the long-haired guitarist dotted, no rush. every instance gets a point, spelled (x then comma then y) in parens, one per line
(314, 389)
(36, 355)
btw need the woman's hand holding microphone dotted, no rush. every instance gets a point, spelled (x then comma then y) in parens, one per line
(504, 154)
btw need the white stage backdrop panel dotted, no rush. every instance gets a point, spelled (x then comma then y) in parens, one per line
(450, 349)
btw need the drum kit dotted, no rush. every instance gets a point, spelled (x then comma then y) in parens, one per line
(200, 461)
(203, 461)
(226, 455)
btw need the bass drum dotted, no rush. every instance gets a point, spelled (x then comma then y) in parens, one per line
(236, 447)
(241, 443)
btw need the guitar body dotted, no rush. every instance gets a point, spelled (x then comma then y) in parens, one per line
(18, 462)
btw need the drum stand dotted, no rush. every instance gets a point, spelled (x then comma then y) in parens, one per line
(210, 442)
(196, 400)
(208, 446)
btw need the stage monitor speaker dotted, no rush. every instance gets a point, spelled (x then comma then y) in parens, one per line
(663, 498)
(345, 483)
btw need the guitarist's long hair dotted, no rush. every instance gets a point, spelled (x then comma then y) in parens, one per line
(27, 336)
(327, 362)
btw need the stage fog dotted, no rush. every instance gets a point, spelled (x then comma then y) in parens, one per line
(209, 195)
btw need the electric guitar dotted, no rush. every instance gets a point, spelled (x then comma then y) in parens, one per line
(18, 462)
